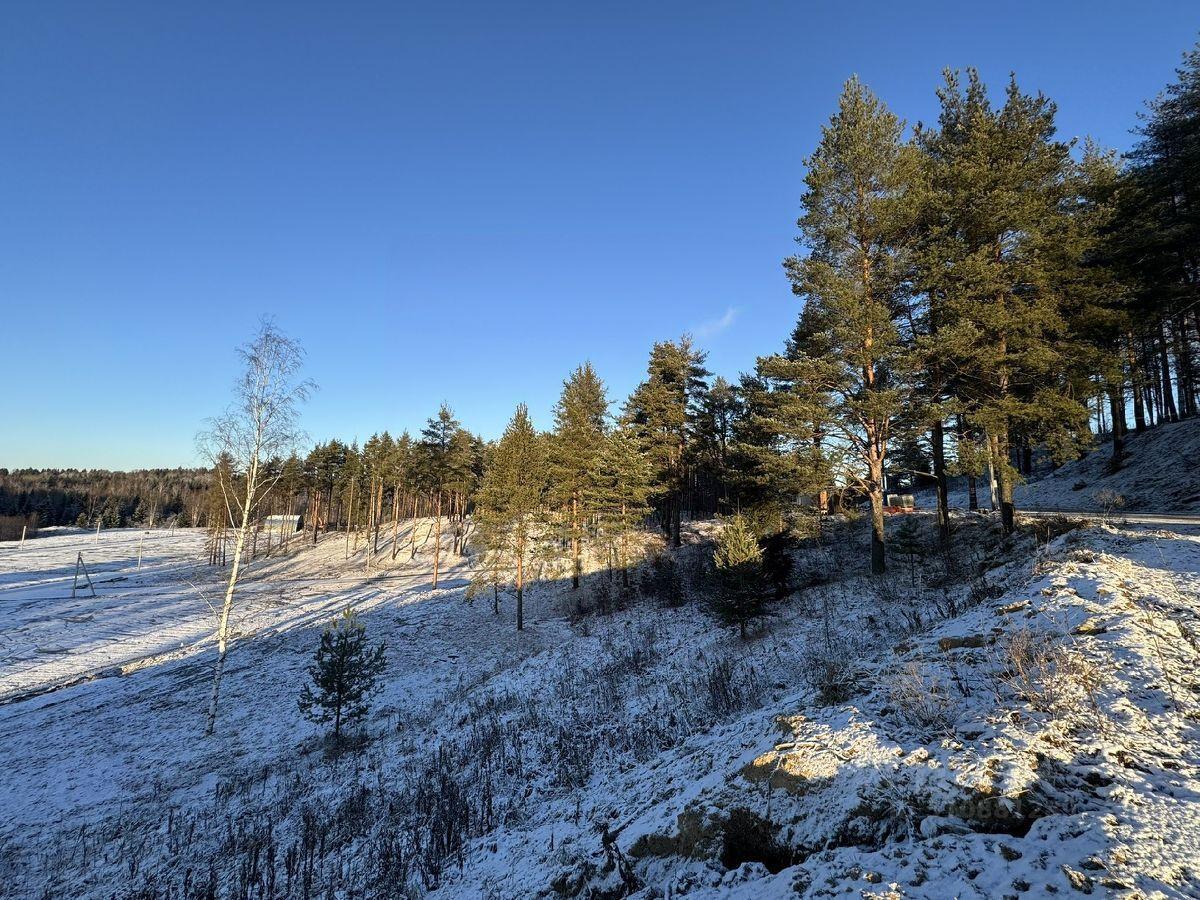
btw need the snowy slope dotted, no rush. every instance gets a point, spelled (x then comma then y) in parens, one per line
(1160, 473)
(1040, 716)
(954, 771)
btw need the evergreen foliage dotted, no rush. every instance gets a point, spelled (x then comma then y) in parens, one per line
(511, 502)
(619, 486)
(575, 448)
(847, 364)
(663, 411)
(996, 209)
(344, 674)
(741, 588)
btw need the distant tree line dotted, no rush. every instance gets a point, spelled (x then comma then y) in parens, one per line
(85, 497)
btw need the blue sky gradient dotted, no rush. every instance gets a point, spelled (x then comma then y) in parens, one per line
(447, 201)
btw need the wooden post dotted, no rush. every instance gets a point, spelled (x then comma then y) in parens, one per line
(140, 542)
(80, 564)
(22, 544)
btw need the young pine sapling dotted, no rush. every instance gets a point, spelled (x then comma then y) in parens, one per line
(344, 674)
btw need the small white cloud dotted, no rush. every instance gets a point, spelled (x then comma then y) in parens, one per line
(713, 327)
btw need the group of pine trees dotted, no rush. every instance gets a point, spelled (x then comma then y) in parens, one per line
(971, 290)
(977, 294)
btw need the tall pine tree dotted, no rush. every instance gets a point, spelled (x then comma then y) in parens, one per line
(997, 206)
(663, 411)
(512, 499)
(849, 355)
(575, 445)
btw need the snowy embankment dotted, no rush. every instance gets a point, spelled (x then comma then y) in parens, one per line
(1020, 720)
(1160, 472)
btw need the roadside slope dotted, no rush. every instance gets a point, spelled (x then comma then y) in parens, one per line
(1160, 473)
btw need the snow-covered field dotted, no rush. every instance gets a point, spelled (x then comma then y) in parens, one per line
(1022, 721)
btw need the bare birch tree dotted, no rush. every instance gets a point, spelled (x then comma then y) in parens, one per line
(259, 424)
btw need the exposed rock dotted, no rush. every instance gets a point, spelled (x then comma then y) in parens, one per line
(1081, 882)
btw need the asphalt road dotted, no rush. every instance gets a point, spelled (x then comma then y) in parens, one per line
(1120, 515)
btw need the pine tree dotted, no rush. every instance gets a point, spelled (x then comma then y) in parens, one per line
(1097, 299)
(575, 445)
(344, 674)
(619, 487)
(997, 206)
(720, 408)
(906, 541)
(741, 587)
(847, 362)
(401, 473)
(437, 468)
(512, 500)
(777, 451)
(1158, 234)
(663, 410)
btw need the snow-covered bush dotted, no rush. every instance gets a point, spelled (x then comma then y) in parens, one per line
(1049, 676)
(920, 700)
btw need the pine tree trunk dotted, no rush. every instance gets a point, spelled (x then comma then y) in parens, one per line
(396, 502)
(1116, 405)
(1169, 413)
(1004, 477)
(412, 554)
(1135, 383)
(520, 590)
(1183, 367)
(991, 473)
(938, 440)
(577, 564)
(349, 516)
(878, 560)
(437, 541)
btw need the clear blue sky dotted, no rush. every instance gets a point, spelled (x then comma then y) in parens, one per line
(446, 201)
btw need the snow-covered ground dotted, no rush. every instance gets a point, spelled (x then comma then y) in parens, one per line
(1020, 721)
(1160, 473)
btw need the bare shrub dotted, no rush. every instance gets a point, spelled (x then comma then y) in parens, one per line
(920, 700)
(828, 670)
(728, 686)
(895, 599)
(1109, 502)
(1050, 677)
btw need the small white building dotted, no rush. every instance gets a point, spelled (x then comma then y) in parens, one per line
(283, 524)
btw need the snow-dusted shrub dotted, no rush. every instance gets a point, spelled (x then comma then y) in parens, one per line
(730, 686)
(897, 600)
(828, 670)
(1110, 502)
(920, 700)
(1049, 676)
